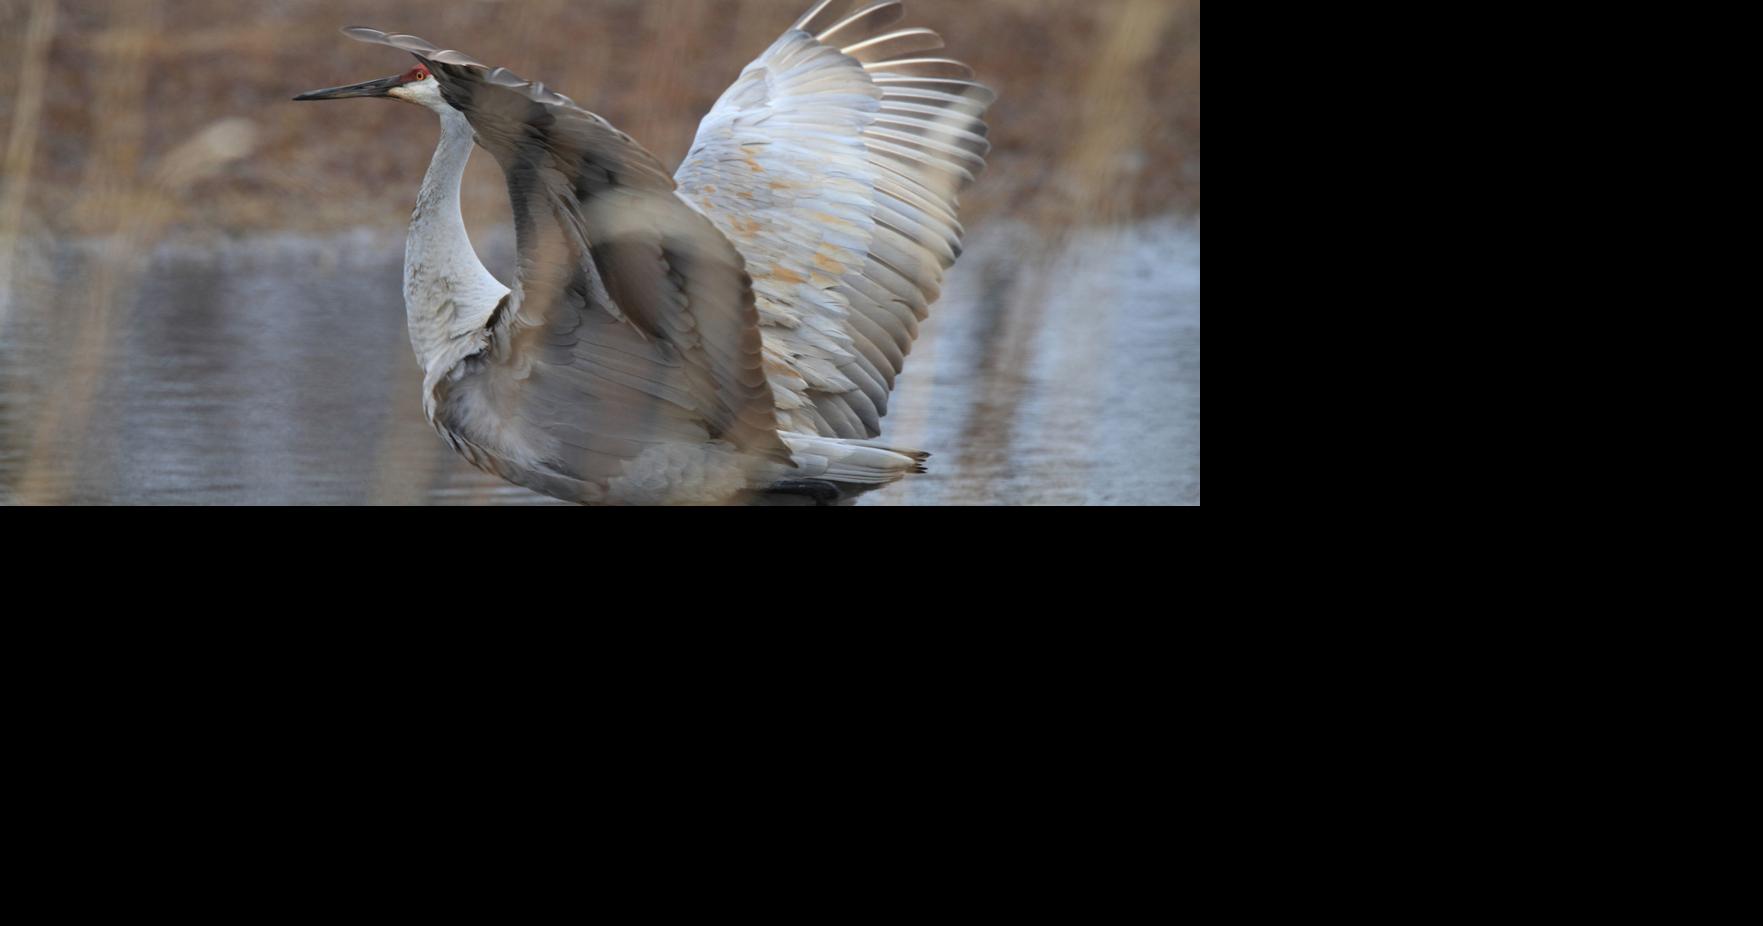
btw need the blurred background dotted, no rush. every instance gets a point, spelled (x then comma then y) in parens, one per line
(200, 298)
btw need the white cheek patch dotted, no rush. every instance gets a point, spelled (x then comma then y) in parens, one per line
(423, 93)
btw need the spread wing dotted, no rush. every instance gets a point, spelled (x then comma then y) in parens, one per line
(834, 165)
(632, 321)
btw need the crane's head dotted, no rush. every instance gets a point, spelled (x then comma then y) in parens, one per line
(416, 85)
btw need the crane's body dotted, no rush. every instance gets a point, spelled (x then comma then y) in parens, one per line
(727, 337)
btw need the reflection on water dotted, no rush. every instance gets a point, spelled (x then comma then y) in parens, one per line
(277, 371)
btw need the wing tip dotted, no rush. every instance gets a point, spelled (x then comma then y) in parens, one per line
(811, 21)
(420, 47)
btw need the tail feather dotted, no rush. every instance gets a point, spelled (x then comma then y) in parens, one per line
(851, 462)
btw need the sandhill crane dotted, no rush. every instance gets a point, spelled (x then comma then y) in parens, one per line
(728, 334)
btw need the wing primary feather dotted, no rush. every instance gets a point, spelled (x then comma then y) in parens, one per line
(834, 164)
(925, 67)
(816, 18)
(895, 45)
(870, 19)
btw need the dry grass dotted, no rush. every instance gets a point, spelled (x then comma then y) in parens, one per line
(1098, 119)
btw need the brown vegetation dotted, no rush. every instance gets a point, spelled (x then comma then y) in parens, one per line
(1098, 118)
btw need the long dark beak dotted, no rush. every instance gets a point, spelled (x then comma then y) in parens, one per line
(371, 88)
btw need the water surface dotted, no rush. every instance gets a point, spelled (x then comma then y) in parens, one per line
(277, 371)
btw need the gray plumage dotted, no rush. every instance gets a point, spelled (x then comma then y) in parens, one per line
(700, 342)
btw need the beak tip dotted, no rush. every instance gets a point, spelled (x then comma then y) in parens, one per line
(382, 87)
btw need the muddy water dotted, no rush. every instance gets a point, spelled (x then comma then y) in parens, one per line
(277, 371)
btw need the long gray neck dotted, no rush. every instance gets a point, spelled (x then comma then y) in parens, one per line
(448, 294)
